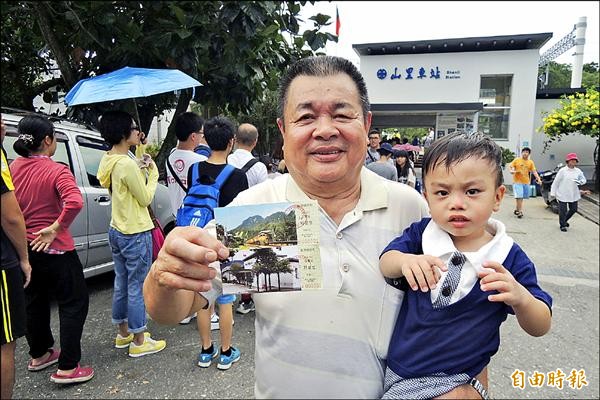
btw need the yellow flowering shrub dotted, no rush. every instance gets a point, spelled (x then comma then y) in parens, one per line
(577, 113)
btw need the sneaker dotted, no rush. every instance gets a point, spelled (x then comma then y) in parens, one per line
(122, 342)
(205, 359)
(214, 322)
(187, 320)
(81, 374)
(245, 308)
(226, 361)
(150, 346)
(563, 228)
(567, 224)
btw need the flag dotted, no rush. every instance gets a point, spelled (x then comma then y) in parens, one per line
(337, 22)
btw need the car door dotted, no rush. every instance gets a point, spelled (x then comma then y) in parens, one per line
(98, 204)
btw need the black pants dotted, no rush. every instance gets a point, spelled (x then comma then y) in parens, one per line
(58, 276)
(564, 214)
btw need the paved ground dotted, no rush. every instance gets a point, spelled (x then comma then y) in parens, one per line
(567, 266)
(589, 207)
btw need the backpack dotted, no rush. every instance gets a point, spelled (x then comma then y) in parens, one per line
(201, 199)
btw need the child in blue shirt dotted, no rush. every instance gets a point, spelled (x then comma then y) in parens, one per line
(462, 275)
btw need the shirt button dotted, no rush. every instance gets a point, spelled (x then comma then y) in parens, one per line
(346, 267)
(339, 235)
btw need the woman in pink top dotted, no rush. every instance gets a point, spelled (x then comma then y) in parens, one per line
(50, 199)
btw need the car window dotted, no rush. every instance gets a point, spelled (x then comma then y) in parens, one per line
(92, 151)
(62, 154)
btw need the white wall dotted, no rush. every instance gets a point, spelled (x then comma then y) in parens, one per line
(521, 64)
(580, 144)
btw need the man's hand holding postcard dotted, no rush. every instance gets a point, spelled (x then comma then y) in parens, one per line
(273, 247)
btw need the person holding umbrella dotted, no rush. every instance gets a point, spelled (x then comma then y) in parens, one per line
(129, 233)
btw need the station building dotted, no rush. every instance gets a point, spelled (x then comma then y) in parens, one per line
(486, 84)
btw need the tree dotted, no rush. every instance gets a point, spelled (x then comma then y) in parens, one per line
(262, 114)
(236, 49)
(578, 113)
(23, 59)
(266, 263)
(559, 75)
(282, 267)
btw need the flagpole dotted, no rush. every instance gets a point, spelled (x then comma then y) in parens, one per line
(337, 29)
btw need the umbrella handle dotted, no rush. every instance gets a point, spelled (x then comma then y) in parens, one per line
(137, 116)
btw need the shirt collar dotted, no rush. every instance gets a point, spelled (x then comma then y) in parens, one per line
(373, 191)
(243, 151)
(438, 243)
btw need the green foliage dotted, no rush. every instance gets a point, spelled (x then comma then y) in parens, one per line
(236, 49)
(560, 75)
(399, 133)
(23, 57)
(152, 149)
(577, 113)
(263, 115)
(282, 227)
(507, 156)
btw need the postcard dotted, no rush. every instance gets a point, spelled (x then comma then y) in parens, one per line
(273, 247)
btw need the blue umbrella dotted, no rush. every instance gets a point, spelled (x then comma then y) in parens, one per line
(126, 83)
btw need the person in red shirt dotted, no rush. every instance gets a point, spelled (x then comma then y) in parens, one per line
(50, 200)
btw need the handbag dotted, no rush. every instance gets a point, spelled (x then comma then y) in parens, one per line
(158, 235)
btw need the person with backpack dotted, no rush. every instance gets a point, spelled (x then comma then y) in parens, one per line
(189, 130)
(214, 183)
(246, 139)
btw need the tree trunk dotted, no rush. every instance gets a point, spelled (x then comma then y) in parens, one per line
(59, 53)
(170, 139)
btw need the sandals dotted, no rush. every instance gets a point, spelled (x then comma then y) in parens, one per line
(519, 214)
(52, 359)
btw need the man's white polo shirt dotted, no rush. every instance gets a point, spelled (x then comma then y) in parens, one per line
(332, 343)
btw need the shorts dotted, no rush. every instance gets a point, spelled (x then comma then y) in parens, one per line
(521, 190)
(428, 387)
(226, 299)
(13, 304)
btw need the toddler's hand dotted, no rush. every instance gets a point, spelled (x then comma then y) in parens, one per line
(422, 271)
(496, 277)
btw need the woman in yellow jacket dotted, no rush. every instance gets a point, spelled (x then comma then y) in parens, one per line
(132, 190)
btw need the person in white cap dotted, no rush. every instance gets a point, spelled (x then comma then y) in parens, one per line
(566, 190)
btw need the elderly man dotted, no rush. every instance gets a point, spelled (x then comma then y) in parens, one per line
(329, 343)
(246, 139)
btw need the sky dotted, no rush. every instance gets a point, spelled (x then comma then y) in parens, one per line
(398, 21)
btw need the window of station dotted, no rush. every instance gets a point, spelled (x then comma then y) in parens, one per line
(495, 93)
